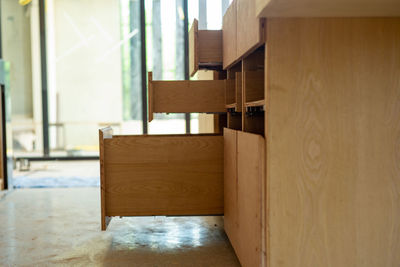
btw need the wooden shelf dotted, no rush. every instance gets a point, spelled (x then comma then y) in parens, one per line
(233, 105)
(257, 103)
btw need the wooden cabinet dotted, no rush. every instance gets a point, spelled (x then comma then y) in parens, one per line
(244, 193)
(186, 96)
(205, 49)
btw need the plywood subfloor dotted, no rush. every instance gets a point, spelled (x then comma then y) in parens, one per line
(46, 227)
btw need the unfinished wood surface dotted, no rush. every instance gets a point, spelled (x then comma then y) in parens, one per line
(205, 48)
(238, 92)
(163, 175)
(210, 48)
(333, 142)
(253, 86)
(229, 38)
(250, 29)
(186, 96)
(193, 48)
(327, 8)
(230, 185)
(230, 92)
(234, 120)
(103, 133)
(250, 193)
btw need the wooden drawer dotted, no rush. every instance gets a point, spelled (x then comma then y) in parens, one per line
(186, 96)
(250, 29)
(244, 195)
(146, 175)
(229, 38)
(205, 49)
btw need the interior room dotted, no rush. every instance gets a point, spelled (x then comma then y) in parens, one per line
(200, 133)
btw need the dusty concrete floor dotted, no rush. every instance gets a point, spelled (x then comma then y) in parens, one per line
(45, 227)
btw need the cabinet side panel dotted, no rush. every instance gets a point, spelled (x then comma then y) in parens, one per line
(333, 142)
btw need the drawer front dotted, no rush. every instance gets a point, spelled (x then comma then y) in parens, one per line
(186, 96)
(162, 175)
(205, 49)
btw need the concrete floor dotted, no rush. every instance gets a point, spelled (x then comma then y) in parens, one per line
(45, 227)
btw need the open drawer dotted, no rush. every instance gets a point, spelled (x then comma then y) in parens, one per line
(244, 195)
(198, 96)
(146, 175)
(205, 49)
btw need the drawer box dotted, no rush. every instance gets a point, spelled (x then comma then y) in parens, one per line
(146, 175)
(205, 49)
(186, 96)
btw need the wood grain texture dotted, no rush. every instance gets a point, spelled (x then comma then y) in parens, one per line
(238, 92)
(103, 133)
(151, 96)
(250, 29)
(163, 175)
(230, 185)
(229, 39)
(333, 142)
(210, 47)
(205, 48)
(186, 96)
(193, 48)
(244, 203)
(327, 8)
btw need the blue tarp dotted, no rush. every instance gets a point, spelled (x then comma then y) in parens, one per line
(56, 182)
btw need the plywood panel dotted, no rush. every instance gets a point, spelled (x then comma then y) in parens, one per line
(186, 96)
(193, 48)
(327, 8)
(230, 185)
(163, 175)
(250, 29)
(229, 38)
(250, 190)
(210, 47)
(333, 142)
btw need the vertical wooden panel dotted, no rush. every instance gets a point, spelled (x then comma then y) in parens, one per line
(250, 31)
(230, 185)
(193, 48)
(333, 142)
(163, 175)
(229, 36)
(250, 190)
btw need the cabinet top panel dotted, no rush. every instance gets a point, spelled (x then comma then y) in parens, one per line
(327, 8)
